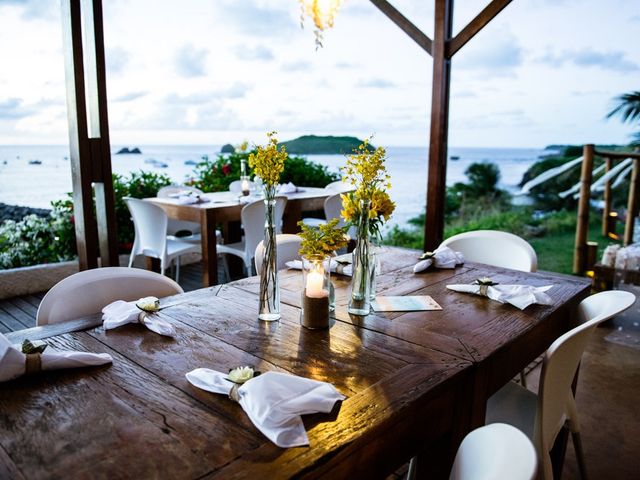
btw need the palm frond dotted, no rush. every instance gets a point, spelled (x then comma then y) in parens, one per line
(628, 107)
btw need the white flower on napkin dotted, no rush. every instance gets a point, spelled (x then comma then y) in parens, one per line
(442, 257)
(120, 313)
(13, 361)
(520, 296)
(274, 401)
(335, 267)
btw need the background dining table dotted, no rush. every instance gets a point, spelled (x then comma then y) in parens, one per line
(224, 208)
(416, 382)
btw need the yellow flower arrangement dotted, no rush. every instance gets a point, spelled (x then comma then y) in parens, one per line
(365, 170)
(268, 162)
(323, 240)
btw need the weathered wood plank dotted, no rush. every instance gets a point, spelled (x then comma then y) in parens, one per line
(140, 427)
(9, 319)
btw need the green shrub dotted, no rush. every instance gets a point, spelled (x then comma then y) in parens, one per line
(215, 175)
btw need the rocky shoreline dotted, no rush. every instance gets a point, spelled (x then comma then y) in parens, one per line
(17, 212)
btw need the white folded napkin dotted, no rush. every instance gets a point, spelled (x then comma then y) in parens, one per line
(335, 267)
(287, 188)
(274, 401)
(120, 313)
(443, 257)
(187, 199)
(520, 296)
(13, 363)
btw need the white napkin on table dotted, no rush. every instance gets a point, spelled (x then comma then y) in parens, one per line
(287, 188)
(443, 257)
(120, 313)
(187, 199)
(520, 296)
(335, 267)
(274, 401)
(13, 361)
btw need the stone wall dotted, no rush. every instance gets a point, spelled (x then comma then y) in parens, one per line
(16, 212)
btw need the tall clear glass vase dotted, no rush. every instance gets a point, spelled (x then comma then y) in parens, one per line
(360, 302)
(269, 309)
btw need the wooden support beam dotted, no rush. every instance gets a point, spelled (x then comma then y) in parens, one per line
(582, 225)
(90, 152)
(606, 210)
(405, 24)
(618, 155)
(437, 178)
(474, 26)
(632, 204)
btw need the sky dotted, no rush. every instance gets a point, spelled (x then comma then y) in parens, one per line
(222, 71)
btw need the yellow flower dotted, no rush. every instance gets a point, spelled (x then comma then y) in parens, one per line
(268, 162)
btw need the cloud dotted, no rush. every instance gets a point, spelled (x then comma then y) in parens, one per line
(116, 59)
(498, 55)
(252, 18)
(345, 65)
(612, 60)
(257, 53)
(35, 9)
(376, 83)
(296, 66)
(190, 61)
(127, 97)
(13, 108)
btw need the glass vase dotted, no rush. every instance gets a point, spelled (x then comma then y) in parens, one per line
(269, 309)
(316, 292)
(374, 265)
(360, 301)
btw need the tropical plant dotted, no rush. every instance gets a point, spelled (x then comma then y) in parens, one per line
(628, 108)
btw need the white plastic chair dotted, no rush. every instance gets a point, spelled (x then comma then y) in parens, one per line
(340, 187)
(500, 249)
(496, 451)
(236, 186)
(150, 224)
(332, 209)
(253, 220)
(181, 226)
(287, 246)
(88, 292)
(542, 416)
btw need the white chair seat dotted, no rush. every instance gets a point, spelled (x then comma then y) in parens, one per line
(178, 247)
(514, 405)
(236, 248)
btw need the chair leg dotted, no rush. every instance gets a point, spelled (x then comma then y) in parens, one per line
(178, 270)
(523, 379)
(225, 266)
(577, 445)
(411, 472)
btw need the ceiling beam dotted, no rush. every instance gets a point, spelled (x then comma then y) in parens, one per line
(474, 26)
(405, 24)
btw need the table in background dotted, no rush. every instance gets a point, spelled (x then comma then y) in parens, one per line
(416, 382)
(224, 207)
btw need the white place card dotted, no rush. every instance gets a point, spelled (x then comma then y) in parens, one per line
(404, 304)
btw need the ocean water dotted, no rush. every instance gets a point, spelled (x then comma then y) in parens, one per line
(22, 183)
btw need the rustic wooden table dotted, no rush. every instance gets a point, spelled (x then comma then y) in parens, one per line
(416, 382)
(224, 207)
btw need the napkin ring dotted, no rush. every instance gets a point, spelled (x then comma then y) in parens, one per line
(142, 316)
(33, 363)
(233, 393)
(484, 290)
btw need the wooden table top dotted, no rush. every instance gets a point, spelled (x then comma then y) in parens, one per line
(412, 380)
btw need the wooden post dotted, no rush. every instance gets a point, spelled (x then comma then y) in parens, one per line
(582, 225)
(632, 204)
(606, 211)
(437, 178)
(89, 148)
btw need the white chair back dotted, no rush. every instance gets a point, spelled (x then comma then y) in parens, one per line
(287, 246)
(496, 451)
(175, 226)
(560, 363)
(150, 224)
(500, 249)
(340, 187)
(333, 207)
(88, 292)
(236, 186)
(253, 221)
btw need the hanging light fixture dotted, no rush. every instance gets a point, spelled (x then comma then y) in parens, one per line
(323, 13)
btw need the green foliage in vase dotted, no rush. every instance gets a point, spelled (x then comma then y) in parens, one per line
(323, 240)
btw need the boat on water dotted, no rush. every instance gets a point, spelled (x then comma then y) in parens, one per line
(35, 162)
(454, 157)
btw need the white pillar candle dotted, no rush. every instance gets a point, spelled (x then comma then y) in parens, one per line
(315, 280)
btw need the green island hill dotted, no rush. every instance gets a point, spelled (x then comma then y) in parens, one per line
(323, 145)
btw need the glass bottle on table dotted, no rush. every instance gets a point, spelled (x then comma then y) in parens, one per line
(245, 183)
